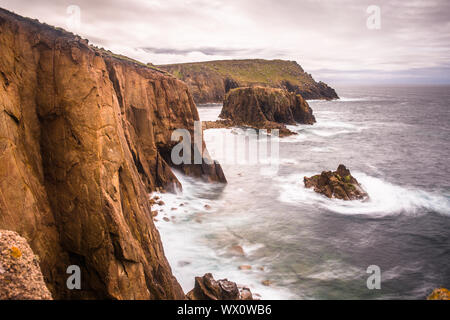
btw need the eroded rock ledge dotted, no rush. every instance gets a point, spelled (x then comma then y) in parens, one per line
(84, 137)
(339, 184)
(263, 108)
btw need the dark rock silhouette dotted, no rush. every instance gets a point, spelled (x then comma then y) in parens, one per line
(206, 288)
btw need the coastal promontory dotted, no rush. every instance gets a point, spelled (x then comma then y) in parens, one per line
(210, 81)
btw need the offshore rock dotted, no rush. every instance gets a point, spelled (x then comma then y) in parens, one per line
(263, 108)
(206, 288)
(339, 184)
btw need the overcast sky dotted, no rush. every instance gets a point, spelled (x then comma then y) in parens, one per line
(329, 38)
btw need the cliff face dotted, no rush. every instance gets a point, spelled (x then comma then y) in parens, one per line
(210, 81)
(84, 137)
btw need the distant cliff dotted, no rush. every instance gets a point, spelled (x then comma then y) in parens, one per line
(84, 137)
(210, 81)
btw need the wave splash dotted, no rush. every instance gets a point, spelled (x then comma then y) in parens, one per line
(385, 198)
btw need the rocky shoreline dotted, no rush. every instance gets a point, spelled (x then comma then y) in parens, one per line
(85, 137)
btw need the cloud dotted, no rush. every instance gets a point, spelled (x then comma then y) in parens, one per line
(332, 35)
(208, 51)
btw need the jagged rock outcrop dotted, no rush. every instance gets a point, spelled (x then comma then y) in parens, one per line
(20, 275)
(258, 105)
(206, 288)
(263, 108)
(210, 81)
(84, 137)
(439, 294)
(339, 184)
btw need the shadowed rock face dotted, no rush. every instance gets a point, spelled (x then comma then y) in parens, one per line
(263, 108)
(20, 275)
(84, 137)
(210, 81)
(339, 184)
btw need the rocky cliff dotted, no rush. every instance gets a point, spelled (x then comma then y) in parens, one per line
(84, 137)
(210, 81)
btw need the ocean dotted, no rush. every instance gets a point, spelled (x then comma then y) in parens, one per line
(394, 140)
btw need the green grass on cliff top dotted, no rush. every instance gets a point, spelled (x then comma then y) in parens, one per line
(245, 71)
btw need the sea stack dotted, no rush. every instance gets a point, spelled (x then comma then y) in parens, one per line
(339, 184)
(263, 108)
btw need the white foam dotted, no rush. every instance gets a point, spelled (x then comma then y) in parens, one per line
(346, 99)
(385, 198)
(335, 270)
(188, 242)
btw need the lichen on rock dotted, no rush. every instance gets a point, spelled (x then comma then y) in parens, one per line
(439, 294)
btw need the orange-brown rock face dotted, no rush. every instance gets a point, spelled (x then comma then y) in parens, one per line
(84, 137)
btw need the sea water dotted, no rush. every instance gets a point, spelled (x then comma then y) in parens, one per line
(395, 141)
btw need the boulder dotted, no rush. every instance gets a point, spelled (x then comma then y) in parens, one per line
(206, 288)
(339, 184)
(246, 294)
(20, 274)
